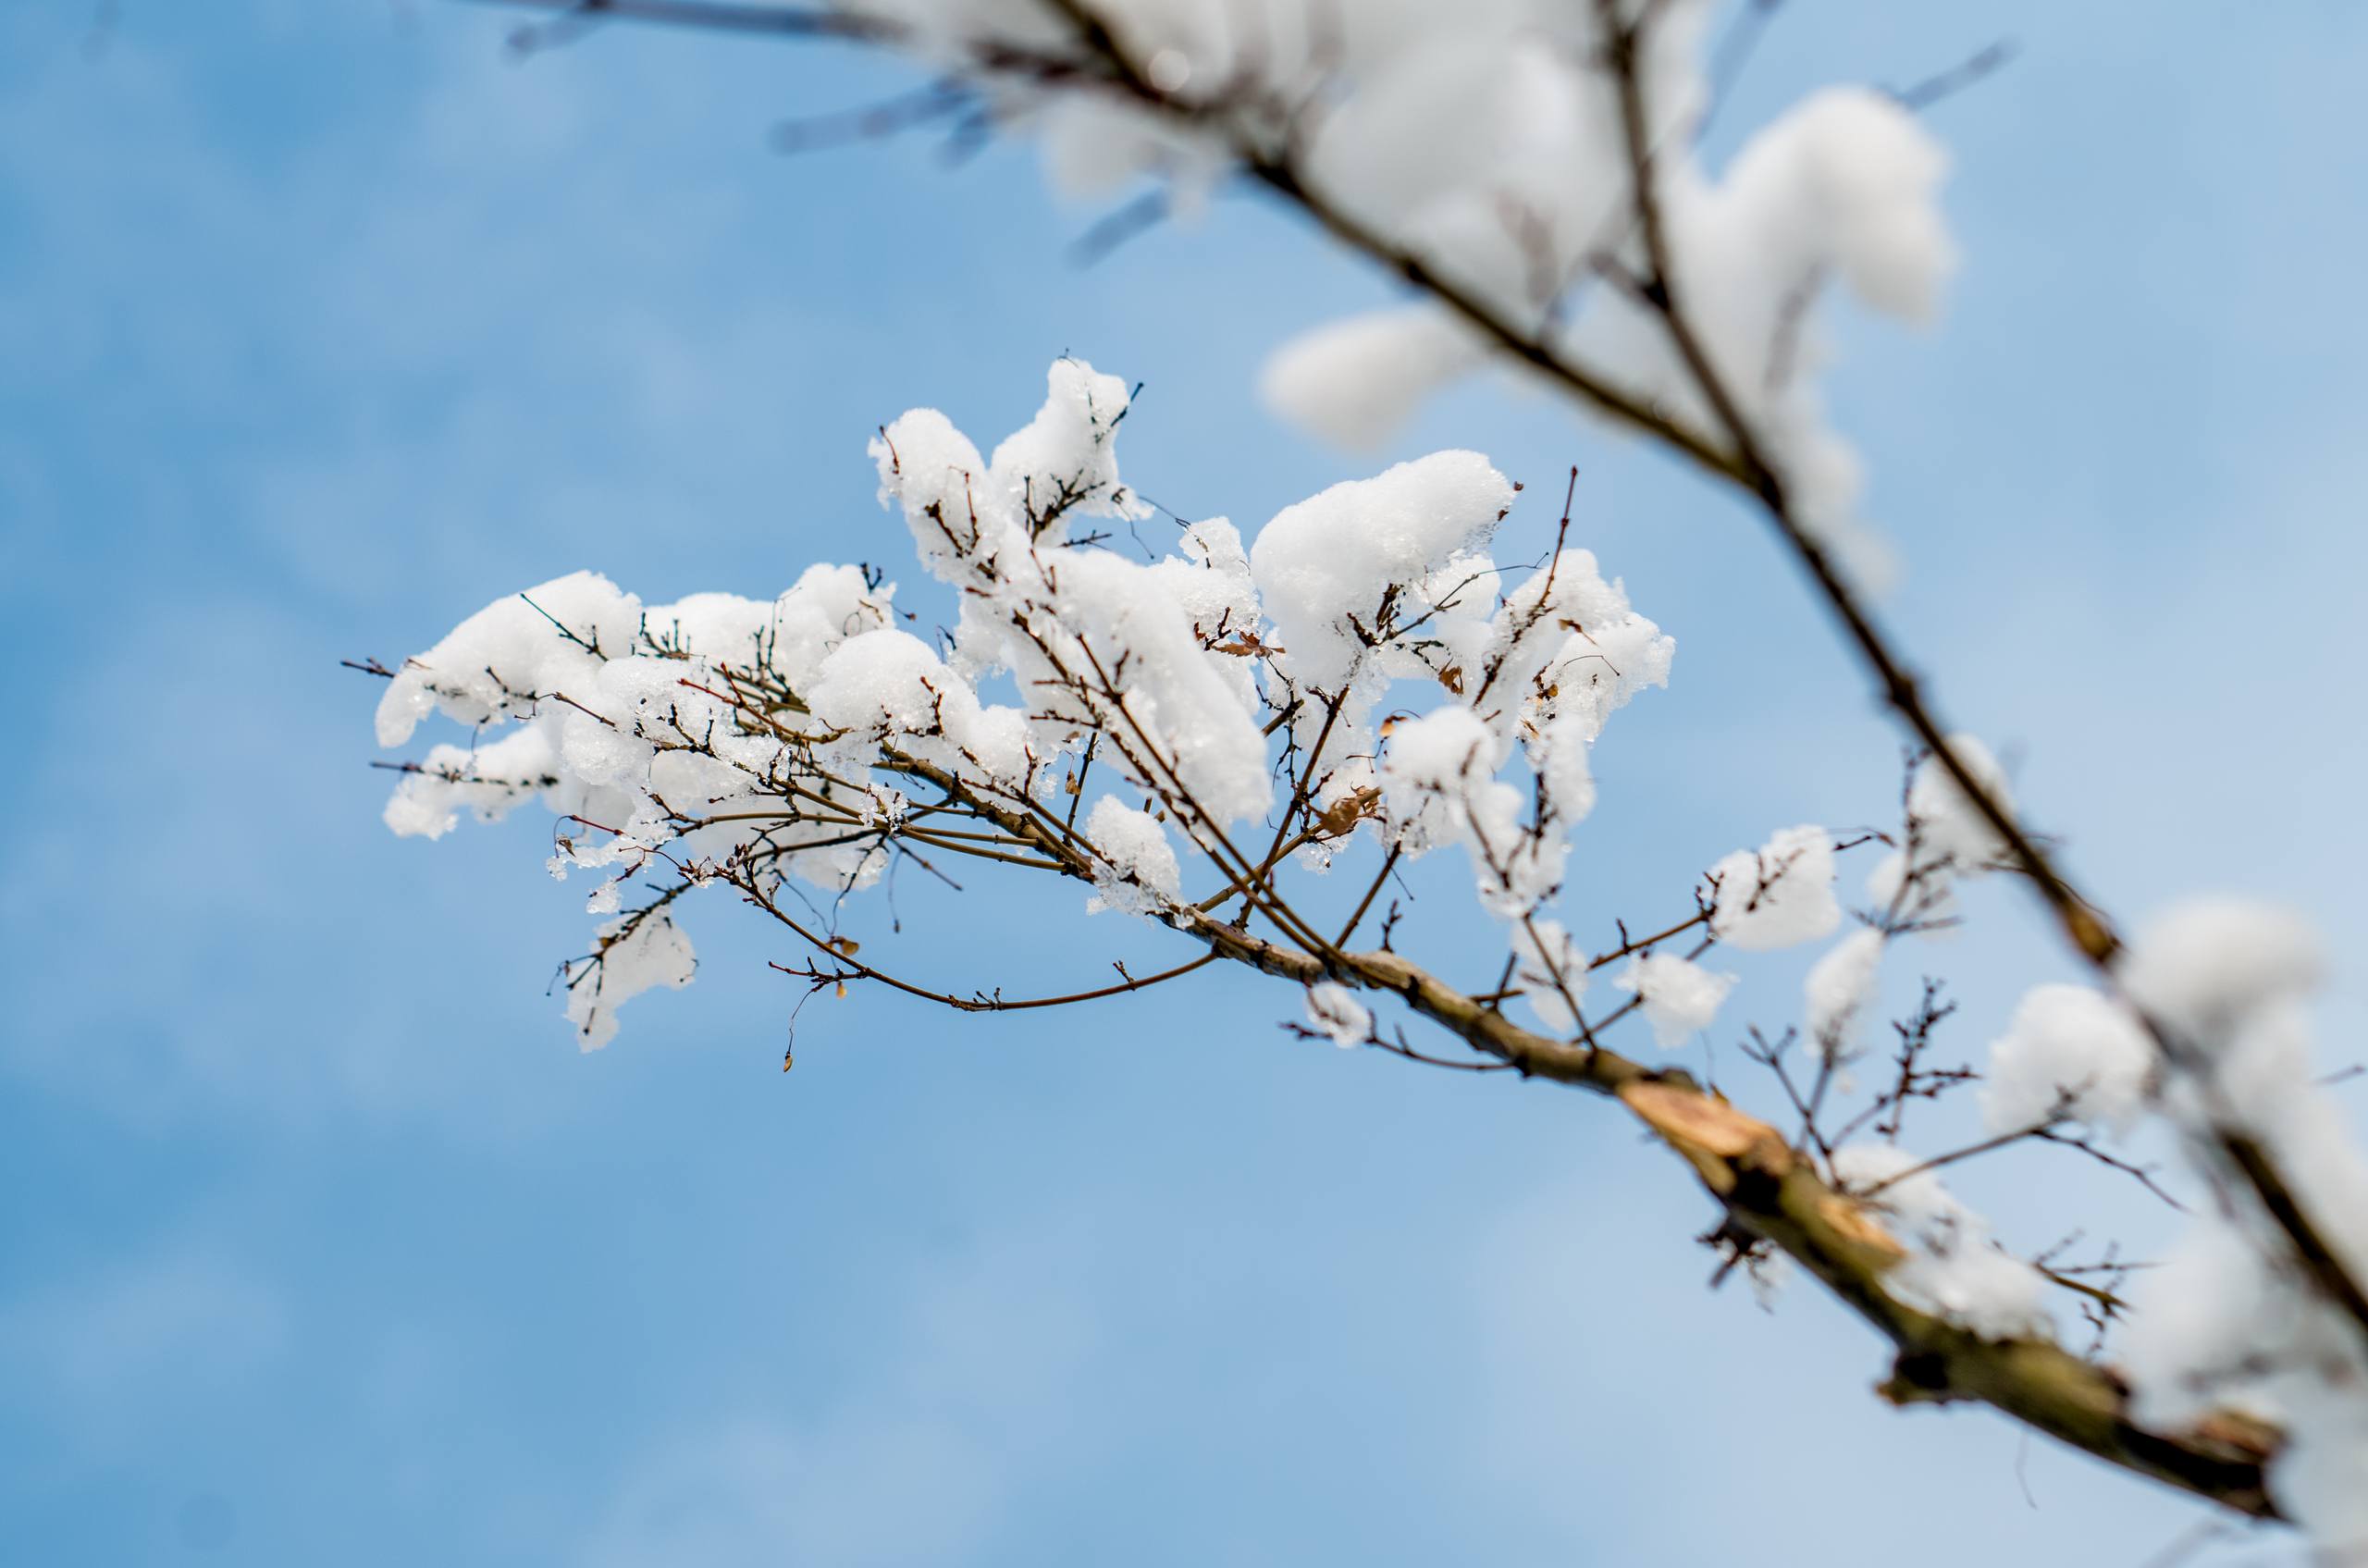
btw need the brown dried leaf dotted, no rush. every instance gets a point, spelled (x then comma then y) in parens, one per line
(1342, 816)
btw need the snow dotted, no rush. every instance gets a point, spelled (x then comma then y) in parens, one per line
(1953, 1268)
(487, 782)
(2219, 1327)
(1485, 140)
(1183, 708)
(1550, 971)
(889, 689)
(492, 663)
(931, 470)
(1779, 896)
(1324, 565)
(1564, 652)
(2208, 963)
(633, 957)
(1066, 451)
(1840, 993)
(699, 733)
(2070, 1054)
(2230, 1318)
(1951, 826)
(1948, 839)
(1438, 786)
(1141, 875)
(1333, 1012)
(1356, 381)
(1680, 996)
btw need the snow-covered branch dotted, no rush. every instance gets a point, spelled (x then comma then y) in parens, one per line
(1190, 739)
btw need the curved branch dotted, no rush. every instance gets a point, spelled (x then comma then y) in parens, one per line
(2083, 923)
(1771, 1192)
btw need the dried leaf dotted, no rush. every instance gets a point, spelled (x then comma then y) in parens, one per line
(1341, 817)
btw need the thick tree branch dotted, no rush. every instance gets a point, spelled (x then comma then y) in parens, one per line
(2083, 924)
(1770, 1192)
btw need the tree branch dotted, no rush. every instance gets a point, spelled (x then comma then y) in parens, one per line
(1768, 1189)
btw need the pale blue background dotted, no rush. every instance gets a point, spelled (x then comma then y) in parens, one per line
(322, 323)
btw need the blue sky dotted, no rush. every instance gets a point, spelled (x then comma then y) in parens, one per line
(323, 325)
